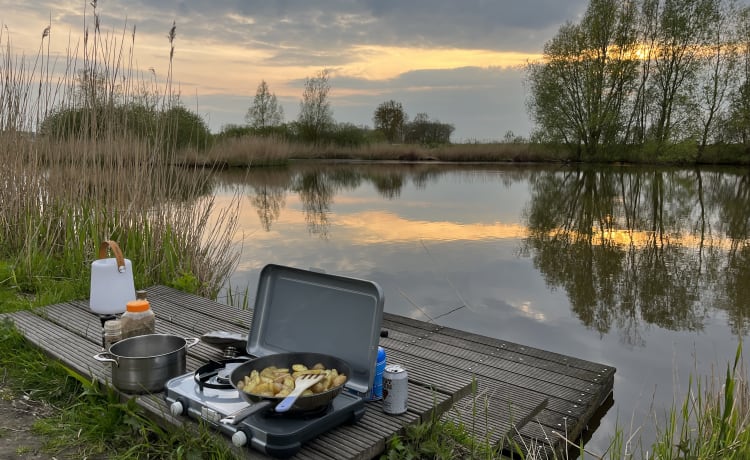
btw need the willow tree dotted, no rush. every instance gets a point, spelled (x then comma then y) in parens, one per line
(720, 70)
(737, 126)
(578, 92)
(683, 37)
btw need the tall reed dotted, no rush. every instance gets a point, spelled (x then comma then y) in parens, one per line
(63, 194)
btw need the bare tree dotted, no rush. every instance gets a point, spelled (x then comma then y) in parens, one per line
(720, 68)
(683, 35)
(265, 111)
(315, 115)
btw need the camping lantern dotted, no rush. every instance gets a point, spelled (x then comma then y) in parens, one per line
(112, 285)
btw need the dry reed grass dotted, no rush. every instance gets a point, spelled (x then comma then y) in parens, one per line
(62, 197)
(243, 151)
(252, 150)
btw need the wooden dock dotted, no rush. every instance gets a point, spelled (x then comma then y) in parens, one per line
(522, 393)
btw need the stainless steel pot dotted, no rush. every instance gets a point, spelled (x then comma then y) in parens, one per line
(303, 403)
(143, 364)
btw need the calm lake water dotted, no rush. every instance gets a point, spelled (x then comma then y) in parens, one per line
(646, 270)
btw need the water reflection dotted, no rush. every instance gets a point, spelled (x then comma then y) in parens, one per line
(631, 246)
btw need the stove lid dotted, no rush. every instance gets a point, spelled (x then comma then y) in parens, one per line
(305, 311)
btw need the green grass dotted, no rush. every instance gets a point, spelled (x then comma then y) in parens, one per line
(89, 420)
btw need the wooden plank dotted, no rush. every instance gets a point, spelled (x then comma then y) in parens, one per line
(478, 352)
(70, 349)
(492, 422)
(390, 319)
(511, 362)
(483, 370)
(237, 316)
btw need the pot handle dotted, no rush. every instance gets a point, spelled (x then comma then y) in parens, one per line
(189, 342)
(106, 357)
(245, 412)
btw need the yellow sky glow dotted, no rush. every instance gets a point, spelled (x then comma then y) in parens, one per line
(207, 68)
(382, 62)
(241, 67)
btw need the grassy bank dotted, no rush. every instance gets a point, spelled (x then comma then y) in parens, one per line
(270, 151)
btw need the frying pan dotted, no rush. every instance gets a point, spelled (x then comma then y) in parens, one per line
(303, 403)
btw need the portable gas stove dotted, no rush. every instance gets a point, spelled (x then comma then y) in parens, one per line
(293, 310)
(207, 395)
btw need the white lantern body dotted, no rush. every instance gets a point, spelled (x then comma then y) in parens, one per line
(112, 285)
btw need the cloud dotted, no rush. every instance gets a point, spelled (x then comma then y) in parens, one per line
(457, 61)
(337, 24)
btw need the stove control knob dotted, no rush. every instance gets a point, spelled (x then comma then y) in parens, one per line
(176, 408)
(239, 438)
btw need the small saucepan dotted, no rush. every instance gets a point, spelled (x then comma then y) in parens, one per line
(303, 404)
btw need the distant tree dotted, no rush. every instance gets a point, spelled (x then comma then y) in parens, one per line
(315, 115)
(389, 118)
(184, 128)
(425, 131)
(265, 111)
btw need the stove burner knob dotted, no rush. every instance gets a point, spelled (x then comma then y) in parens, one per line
(176, 408)
(239, 438)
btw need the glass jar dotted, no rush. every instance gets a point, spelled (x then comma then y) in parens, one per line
(112, 332)
(138, 318)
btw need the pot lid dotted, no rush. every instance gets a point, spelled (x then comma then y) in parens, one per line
(307, 311)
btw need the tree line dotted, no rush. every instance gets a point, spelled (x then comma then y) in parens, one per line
(315, 122)
(661, 77)
(97, 108)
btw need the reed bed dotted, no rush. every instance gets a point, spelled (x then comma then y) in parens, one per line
(264, 151)
(65, 192)
(239, 152)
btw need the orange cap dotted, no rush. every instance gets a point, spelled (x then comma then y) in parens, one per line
(137, 305)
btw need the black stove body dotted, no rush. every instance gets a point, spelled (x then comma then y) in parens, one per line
(293, 309)
(279, 435)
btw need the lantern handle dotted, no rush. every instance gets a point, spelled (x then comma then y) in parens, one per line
(115, 250)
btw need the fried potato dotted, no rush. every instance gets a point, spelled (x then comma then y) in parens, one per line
(339, 380)
(308, 372)
(279, 382)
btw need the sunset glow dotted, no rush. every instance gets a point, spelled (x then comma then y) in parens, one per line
(459, 63)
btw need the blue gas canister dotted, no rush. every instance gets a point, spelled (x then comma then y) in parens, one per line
(376, 393)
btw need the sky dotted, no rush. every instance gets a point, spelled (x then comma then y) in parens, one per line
(459, 61)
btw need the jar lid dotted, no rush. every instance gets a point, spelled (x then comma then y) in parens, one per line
(113, 325)
(138, 305)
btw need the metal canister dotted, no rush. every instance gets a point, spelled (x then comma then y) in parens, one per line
(376, 392)
(395, 389)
